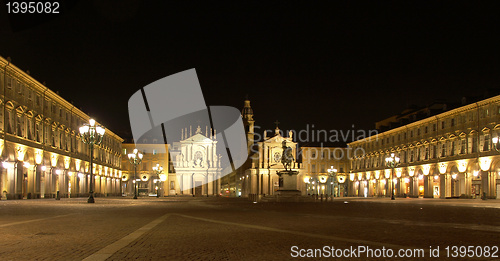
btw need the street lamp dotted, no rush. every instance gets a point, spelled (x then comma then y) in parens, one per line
(91, 134)
(333, 176)
(158, 170)
(135, 159)
(392, 162)
(341, 178)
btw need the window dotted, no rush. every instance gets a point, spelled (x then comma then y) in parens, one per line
(442, 125)
(418, 132)
(313, 168)
(426, 129)
(486, 145)
(19, 88)
(452, 122)
(434, 127)
(172, 185)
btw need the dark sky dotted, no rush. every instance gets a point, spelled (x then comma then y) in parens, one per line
(302, 63)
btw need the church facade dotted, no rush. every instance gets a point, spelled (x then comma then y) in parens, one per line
(190, 168)
(258, 176)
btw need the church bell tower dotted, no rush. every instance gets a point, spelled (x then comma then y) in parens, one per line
(248, 122)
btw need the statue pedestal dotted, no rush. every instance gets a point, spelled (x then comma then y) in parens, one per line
(288, 191)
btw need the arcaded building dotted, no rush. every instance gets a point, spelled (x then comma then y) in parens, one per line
(447, 154)
(325, 171)
(42, 153)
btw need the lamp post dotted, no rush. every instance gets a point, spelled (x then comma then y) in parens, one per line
(158, 170)
(92, 135)
(333, 176)
(135, 159)
(392, 162)
(341, 178)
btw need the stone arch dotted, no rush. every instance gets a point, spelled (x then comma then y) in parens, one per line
(10, 153)
(434, 170)
(29, 157)
(495, 165)
(452, 167)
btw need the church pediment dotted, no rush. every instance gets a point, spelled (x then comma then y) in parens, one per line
(278, 139)
(197, 138)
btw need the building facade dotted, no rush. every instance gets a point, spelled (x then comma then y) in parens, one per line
(258, 176)
(325, 171)
(42, 153)
(190, 168)
(446, 155)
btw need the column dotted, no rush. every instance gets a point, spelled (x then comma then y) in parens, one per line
(254, 189)
(428, 191)
(484, 183)
(491, 184)
(19, 179)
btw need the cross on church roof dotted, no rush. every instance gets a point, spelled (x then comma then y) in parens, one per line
(277, 123)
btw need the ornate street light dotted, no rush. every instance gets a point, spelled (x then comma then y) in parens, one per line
(92, 135)
(158, 170)
(341, 178)
(135, 159)
(333, 176)
(392, 162)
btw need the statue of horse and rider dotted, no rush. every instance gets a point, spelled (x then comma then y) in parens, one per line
(287, 157)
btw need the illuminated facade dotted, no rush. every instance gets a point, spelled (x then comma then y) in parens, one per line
(319, 176)
(41, 150)
(446, 155)
(191, 167)
(258, 175)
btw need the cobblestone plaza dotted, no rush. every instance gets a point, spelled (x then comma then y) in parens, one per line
(182, 228)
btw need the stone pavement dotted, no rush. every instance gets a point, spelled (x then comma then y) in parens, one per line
(182, 228)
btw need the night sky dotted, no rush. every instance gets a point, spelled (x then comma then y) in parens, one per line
(300, 63)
